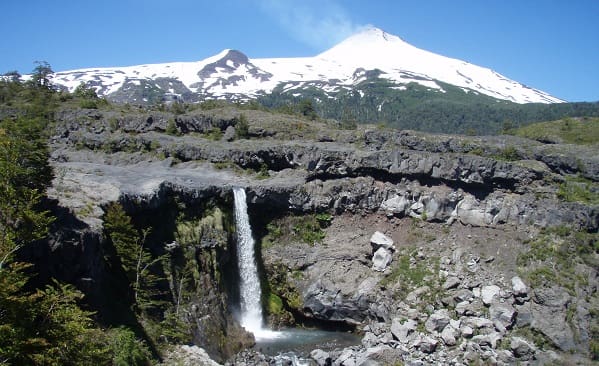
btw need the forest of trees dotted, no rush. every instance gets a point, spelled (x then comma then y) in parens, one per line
(43, 323)
(421, 109)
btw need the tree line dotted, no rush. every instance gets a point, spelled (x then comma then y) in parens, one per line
(42, 324)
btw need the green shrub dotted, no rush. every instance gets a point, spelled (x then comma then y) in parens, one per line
(215, 134)
(127, 350)
(242, 127)
(171, 127)
(309, 230)
(263, 172)
(509, 153)
(306, 228)
(274, 230)
(594, 349)
(477, 151)
(88, 104)
(324, 219)
(113, 124)
(178, 108)
(274, 304)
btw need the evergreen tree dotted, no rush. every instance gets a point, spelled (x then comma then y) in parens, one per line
(24, 176)
(41, 75)
(306, 108)
(135, 259)
(42, 326)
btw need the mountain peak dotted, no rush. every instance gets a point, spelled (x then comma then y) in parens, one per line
(370, 42)
(371, 32)
(369, 53)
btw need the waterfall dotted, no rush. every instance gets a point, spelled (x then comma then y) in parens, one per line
(249, 292)
(250, 296)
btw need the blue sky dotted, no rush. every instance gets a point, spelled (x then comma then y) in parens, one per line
(552, 45)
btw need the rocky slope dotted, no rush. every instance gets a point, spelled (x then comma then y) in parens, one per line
(438, 249)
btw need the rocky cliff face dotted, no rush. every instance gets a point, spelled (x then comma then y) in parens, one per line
(467, 277)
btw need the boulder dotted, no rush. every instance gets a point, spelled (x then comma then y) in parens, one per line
(466, 331)
(463, 295)
(487, 340)
(556, 297)
(488, 293)
(427, 345)
(518, 287)
(380, 240)
(347, 358)
(379, 356)
(414, 296)
(521, 348)
(478, 323)
(506, 356)
(370, 340)
(396, 205)
(469, 308)
(523, 315)
(189, 355)
(451, 282)
(449, 336)
(549, 312)
(437, 321)
(381, 259)
(321, 357)
(229, 134)
(502, 313)
(324, 300)
(401, 329)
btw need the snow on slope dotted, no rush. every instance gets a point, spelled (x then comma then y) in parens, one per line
(230, 74)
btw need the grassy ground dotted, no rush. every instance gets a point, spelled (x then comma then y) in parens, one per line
(581, 131)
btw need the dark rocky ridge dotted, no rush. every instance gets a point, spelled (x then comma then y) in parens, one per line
(368, 179)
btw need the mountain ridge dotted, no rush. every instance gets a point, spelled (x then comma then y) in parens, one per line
(232, 75)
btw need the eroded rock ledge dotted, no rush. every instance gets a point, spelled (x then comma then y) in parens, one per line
(460, 219)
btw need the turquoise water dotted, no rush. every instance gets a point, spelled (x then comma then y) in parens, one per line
(302, 341)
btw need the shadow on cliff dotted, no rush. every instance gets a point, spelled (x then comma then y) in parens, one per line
(74, 253)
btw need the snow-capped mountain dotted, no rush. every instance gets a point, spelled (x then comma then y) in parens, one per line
(232, 75)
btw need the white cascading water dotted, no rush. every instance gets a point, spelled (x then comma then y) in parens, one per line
(249, 285)
(250, 293)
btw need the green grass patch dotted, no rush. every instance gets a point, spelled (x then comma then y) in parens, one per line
(579, 189)
(409, 275)
(580, 131)
(553, 256)
(309, 230)
(305, 228)
(538, 338)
